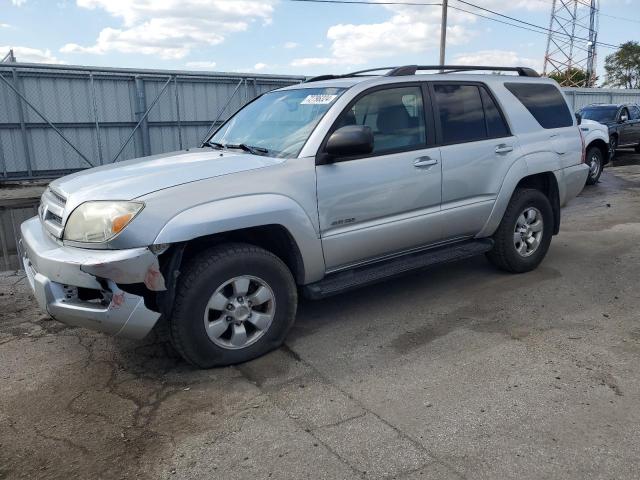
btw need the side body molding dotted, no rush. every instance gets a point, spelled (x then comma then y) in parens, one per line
(250, 211)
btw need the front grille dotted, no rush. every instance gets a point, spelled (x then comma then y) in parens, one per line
(58, 197)
(53, 218)
(52, 211)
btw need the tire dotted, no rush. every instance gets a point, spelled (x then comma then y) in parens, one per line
(211, 284)
(595, 160)
(613, 146)
(637, 149)
(505, 254)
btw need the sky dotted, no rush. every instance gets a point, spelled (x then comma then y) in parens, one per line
(284, 36)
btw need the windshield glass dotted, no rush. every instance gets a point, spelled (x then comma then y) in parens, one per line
(602, 114)
(278, 123)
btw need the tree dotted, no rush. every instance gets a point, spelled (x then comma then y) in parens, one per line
(571, 77)
(623, 66)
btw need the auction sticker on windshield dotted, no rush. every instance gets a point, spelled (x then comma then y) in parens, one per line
(318, 99)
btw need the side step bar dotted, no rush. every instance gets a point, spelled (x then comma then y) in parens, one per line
(338, 282)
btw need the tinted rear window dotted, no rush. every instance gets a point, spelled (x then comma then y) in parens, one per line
(495, 123)
(544, 102)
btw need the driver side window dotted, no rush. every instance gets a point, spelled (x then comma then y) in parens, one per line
(395, 116)
(624, 113)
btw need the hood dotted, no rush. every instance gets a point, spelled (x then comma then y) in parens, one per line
(593, 125)
(133, 178)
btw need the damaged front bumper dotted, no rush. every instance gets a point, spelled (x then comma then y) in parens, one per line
(79, 286)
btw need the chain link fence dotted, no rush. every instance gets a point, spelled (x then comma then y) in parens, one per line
(55, 119)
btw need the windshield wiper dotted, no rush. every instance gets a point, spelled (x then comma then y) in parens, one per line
(247, 148)
(215, 145)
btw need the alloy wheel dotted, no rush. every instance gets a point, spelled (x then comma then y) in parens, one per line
(594, 166)
(528, 231)
(239, 312)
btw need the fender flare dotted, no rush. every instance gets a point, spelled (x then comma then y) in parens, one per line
(522, 168)
(248, 211)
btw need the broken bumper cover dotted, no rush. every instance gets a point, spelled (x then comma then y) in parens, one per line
(55, 272)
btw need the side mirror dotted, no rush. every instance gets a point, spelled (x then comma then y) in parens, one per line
(579, 118)
(350, 140)
(623, 118)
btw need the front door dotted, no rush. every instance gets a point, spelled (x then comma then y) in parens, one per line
(634, 121)
(626, 127)
(385, 202)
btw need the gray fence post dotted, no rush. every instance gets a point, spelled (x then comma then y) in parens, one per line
(175, 87)
(23, 128)
(3, 163)
(141, 108)
(95, 117)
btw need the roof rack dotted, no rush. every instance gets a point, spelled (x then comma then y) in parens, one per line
(406, 70)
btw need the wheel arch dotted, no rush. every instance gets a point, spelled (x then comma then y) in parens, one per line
(274, 238)
(601, 145)
(521, 176)
(274, 222)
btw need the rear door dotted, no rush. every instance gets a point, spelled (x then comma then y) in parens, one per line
(477, 150)
(385, 202)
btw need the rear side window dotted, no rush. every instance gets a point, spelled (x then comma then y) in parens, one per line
(495, 123)
(467, 113)
(544, 102)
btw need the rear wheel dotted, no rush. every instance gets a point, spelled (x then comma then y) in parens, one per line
(234, 303)
(595, 161)
(524, 234)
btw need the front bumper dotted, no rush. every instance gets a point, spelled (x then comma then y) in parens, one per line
(56, 272)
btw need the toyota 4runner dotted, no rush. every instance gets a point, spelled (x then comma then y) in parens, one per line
(315, 188)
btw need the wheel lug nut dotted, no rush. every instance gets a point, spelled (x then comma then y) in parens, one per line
(229, 319)
(240, 299)
(230, 307)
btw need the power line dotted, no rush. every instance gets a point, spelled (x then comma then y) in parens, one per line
(369, 2)
(547, 30)
(541, 30)
(619, 18)
(633, 20)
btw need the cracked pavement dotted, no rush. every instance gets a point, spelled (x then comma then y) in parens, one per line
(457, 372)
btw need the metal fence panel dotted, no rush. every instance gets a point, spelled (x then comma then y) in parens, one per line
(55, 119)
(579, 97)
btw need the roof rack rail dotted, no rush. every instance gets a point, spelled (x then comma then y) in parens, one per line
(412, 69)
(406, 70)
(346, 75)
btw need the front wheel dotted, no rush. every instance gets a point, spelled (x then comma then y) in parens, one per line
(613, 146)
(524, 234)
(596, 163)
(234, 303)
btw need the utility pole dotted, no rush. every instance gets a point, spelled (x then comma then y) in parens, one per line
(443, 31)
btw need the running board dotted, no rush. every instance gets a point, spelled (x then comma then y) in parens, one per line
(338, 282)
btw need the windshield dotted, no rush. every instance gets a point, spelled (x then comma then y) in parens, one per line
(602, 114)
(278, 123)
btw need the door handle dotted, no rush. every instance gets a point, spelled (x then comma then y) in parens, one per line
(504, 148)
(423, 162)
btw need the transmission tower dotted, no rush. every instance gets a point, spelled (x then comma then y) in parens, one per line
(571, 46)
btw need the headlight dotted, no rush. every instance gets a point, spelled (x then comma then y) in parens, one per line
(96, 222)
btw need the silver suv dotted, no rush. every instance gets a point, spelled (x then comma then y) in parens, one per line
(316, 188)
